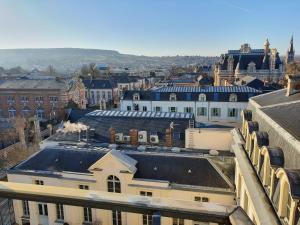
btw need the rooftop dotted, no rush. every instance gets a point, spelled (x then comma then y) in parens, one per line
(208, 89)
(173, 168)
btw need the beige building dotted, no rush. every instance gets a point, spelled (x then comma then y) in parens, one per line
(163, 174)
(267, 150)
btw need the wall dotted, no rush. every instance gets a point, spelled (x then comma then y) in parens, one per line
(217, 139)
(98, 181)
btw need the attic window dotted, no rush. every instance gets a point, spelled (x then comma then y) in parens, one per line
(155, 168)
(136, 97)
(189, 171)
(233, 98)
(202, 97)
(173, 97)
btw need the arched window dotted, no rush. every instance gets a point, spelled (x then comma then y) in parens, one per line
(202, 97)
(172, 97)
(113, 184)
(233, 98)
(11, 112)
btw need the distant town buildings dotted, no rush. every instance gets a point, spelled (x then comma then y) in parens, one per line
(264, 64)
(44, 98)
(222, 104)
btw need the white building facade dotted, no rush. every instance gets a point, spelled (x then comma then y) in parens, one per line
(208, 104)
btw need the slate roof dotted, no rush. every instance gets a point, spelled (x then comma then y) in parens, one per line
(36, 84)
(218, 93)
(243, 59)
(98, 84)
(287, 116)
(275, 97)
(123, 122)
(176, 169)
(276, 156)
(255, 83)
(76, 114)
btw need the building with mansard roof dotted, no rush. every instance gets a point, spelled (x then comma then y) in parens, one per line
(264, 64)
(267, 150)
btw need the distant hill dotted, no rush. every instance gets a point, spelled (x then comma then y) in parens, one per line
(71, 59)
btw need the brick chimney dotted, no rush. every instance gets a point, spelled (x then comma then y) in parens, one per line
(112, 135)
(293, 85)
(169, 137)
(133, 136)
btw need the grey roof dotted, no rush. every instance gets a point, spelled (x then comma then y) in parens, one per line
(173, 168)
(34, 84)
(287, 116)
(125, 159)
(209, 89)
(218, 93)
(152, 122)
(275, 97)
(98, 84)
(262, 138)
(138, 114)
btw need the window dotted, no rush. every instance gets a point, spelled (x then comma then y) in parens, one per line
(201, 111)
(116, 217)
(136, 97)
(172, 109)
(232, 97)
(144, 108)
(24, 99)
(113, 184)
(188, 109)
(40, 113)
(43, 209)
(147, 219)
(216, 112)
(201, 199)
(53, 98)
(60, 212)
(39, 98)
(25, 205)
(10, 99)
(232, 112)
(128, 108)
(136, 107)
(39, 182)
(84, 187)
(172, 97)
(157, 109)
(12, 112)
(177, 221)
(87, 214)
(202, 98)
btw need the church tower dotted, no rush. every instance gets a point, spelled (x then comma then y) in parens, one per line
(267, 47)
(290, 55)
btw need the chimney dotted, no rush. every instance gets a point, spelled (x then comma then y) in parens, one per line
(293, 85)
(133, 136)
(112, 135)
(169, 137)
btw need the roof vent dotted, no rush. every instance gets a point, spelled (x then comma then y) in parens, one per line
(155, 168)
(213, 152)
(175, 149)
(112, 146)
(189, 171)
(141, 148)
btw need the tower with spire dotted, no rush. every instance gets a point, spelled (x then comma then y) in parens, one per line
(290, 55)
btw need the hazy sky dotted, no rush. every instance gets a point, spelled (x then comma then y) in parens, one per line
(150, 27)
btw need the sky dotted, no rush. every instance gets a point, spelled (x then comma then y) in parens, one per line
(150, 27)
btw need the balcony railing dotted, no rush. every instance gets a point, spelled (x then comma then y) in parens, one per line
(158, 207)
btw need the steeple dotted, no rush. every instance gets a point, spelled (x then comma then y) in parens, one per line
(267, 46)
(290, 55)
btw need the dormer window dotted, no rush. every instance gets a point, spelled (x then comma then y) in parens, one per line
(173, 97)
(136, 97)
(233, 98)
(251, 67)
(202, 97)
